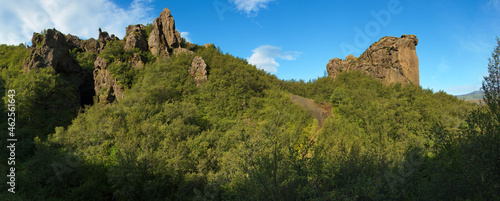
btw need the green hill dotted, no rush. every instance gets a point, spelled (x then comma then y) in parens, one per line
(240, 134)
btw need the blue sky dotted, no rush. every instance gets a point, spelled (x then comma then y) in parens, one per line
(290, 38)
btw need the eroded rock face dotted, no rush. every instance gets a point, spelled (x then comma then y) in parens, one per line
(198, 70)
(106, 87)
(90, 45)
(55, 50)
(164, 38)
(136, 62)
(391, 59)
(52, 50)
(182, 50)
(135, 39)
(104, 38)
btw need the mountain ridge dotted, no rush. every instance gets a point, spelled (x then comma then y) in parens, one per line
(475, 95)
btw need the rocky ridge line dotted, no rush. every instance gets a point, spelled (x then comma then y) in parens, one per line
(52, 49)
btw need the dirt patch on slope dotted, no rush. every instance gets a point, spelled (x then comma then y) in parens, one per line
(318, 111)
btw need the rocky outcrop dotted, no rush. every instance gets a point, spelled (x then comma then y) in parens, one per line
(182, 50)
(52, 50)
(90, 45)
(198, 70)
(391, 59)
(164, 38)
(136, 62)
(104, 38)
(106, 87)
(209, 45)
(135, 39)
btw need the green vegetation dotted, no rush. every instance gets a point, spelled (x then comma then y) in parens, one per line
(84, 59)
(239, 136)
(119, 61)
(147, 30)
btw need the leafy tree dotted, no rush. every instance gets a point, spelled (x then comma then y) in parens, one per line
(491, 83)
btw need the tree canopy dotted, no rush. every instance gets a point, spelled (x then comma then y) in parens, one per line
(239, 135)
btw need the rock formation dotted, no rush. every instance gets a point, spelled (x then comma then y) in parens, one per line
(52, 50)
(391, 59)
(104, 38)
(164, 38)
(106, 87)
(198, 70)
(55, 50)
(135, 39)
(209, 45)
(90, 45)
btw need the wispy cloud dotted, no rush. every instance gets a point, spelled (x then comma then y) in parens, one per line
(185, 35)
(493, 4)
(250, 7)
(478, 44)
(264, 57)
(81, 18)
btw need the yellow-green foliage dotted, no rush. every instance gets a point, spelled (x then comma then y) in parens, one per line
(239, 136)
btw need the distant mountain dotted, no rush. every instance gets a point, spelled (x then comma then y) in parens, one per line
(472, 96)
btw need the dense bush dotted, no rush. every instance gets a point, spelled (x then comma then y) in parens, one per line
(239, 136)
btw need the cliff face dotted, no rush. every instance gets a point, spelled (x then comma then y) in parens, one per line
(164, 38)
(391, 59)
(52, 50)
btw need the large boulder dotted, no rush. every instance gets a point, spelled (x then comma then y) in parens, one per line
(391, 59)
(164, 38)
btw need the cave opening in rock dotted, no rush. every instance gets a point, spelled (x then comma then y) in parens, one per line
(87, 92)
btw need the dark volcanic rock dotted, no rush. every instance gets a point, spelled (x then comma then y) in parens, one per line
(52, 50)
(104, 38)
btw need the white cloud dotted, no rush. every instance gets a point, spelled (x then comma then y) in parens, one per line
(81, 18)
(251, 7)
(264, 57)
(185, 35)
